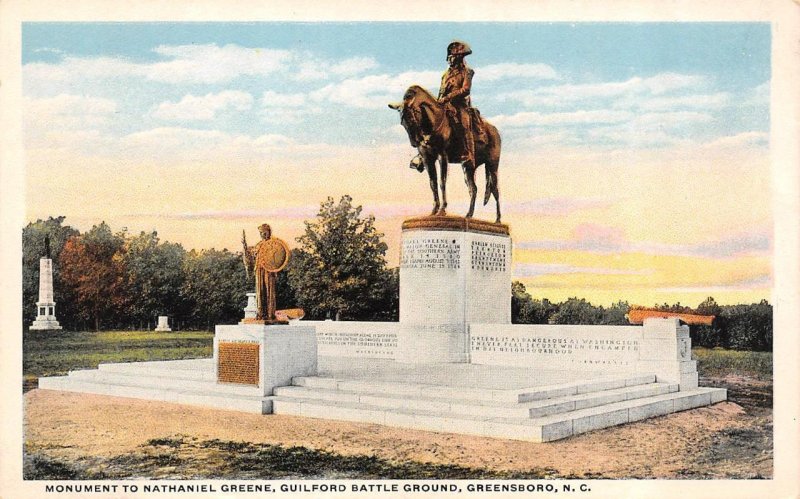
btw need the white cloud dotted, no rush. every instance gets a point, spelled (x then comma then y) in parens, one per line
(695, 101)
(353, 66)
(213, 64)
(196, 64)
(204, 107)
(559, 95)
(494, 72)
(530, 118)
(375, 90)
(64, 113)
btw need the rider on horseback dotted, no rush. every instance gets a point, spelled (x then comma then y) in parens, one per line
(454, 92)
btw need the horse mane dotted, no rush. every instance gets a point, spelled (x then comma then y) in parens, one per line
(414, 90)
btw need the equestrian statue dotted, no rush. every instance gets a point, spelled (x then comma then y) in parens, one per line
(448, 128)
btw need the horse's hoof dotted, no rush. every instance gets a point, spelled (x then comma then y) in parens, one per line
(441, 213)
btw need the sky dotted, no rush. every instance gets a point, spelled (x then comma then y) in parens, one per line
(635, 162)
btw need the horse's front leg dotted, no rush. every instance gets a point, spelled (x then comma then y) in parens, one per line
(430, 165)
(443, 183)
(469, 178)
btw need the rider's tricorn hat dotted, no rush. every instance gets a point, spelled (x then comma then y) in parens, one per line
(458, 48)
(264, 228)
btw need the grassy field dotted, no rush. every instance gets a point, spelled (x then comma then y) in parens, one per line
(719, 362)
(48, 353)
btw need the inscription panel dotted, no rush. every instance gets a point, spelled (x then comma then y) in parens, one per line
(489, 256)
(357, 344)
(430, 253)
(580, 348)
(238, 362)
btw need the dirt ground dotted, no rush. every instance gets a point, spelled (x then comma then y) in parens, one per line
(125, 438)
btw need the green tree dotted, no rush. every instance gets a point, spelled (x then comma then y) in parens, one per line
(519, 297)
(615, 314)
(340, 268)
(577, 311)
(715, 335)
(156, 276)
(749, 326)
(538, 311)
(215, 287)
(92, 267)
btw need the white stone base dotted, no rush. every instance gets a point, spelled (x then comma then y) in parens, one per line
(45, 324)
(284, 351)
(492, 401)
(450, 278)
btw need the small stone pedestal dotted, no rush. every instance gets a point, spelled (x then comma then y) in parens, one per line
(251, 309)
(453, 272)
(163, 323)
(266, 356)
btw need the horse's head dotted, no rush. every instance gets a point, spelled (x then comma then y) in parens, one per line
(411, 116)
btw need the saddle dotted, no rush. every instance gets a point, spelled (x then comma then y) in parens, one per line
(478, 131)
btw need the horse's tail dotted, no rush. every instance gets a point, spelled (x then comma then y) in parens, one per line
(489, 185)
(492, 161)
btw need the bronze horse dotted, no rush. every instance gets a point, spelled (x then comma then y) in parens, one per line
(430, 130)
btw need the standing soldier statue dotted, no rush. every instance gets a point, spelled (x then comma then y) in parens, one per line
(268, 257)
(454, 93)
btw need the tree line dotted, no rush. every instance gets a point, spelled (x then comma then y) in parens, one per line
(738, 327)
(106, 279)
(115, 280)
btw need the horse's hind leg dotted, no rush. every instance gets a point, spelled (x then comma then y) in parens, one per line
(496, 193)
(443, 184)
(469, 178)
(494, 187)
(431, 167)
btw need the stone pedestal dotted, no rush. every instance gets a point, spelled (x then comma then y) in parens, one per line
(163, 323)
(46, 306)
(251, 309)
(266, 356)
(453, 272)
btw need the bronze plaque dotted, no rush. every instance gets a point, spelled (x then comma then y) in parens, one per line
(238, 363)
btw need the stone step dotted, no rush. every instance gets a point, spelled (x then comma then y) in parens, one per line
(229, 401)
(538, 429)
(195, 369)
(487, 408)
(474, 393)
(150, 379)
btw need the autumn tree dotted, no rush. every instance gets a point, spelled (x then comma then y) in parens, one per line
(92, 267)
(339, 270)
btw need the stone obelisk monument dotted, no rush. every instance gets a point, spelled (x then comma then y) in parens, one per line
(46, 306)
